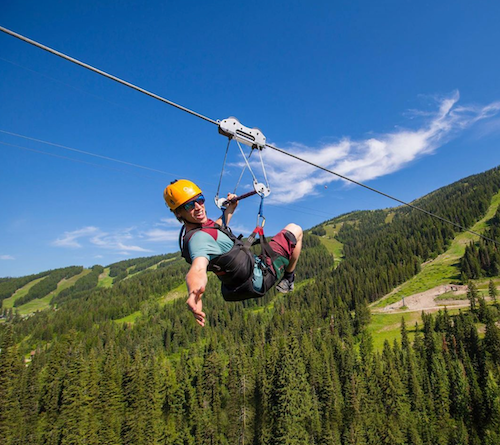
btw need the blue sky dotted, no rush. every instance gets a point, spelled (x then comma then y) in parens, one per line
(401, 95)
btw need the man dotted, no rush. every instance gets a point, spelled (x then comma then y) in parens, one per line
(208, 245)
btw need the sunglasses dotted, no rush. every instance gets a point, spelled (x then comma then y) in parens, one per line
(190, 205)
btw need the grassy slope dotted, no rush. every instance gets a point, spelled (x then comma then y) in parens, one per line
(9, 302)
(444, 269)
(388, 326)
(334, 246)
(179, 291)
(40, 304)
(64, 284)
(153, 267)
(104, 279)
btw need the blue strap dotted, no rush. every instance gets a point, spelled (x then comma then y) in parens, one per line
(224, 217)
(261, 207)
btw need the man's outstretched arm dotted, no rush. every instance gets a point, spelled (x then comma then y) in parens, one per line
(196, 281)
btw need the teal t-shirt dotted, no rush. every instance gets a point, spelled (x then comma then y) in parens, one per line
(202, 244)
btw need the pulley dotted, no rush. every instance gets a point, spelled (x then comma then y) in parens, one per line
(254, 138)
(233, 129)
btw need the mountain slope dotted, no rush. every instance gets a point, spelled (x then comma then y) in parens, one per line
(128, 364)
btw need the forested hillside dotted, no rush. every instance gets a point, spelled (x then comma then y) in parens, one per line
(286, 369)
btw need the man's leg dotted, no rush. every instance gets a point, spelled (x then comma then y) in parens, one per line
(286, 284)
(297, 231)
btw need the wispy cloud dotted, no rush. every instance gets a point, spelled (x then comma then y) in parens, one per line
(160, 235)
(6, 257)
(169, 222)
(117, 241)
(373, 157)
(120, 240)
(165, 231)
(70, 239)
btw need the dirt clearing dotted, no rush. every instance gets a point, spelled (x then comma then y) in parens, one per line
(427, 301)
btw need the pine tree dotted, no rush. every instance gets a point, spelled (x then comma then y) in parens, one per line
(492, 340)
(91, 379)
(241, 386)
(53, 378)
(291, 400)
(7, 375)
(110, 404)
(483, 312)
(492, 291)
(155, 395)
(459, 390)
(72, 401)
(135, 397)
(492, 409)
(11, 373)
(30, 395)
(210, 388)
(472, 295)
(393, 399)
(354, 425)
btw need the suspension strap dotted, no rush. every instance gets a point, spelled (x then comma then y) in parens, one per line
(222, 171)
(259, 229)
(244, 168)
(261, 220)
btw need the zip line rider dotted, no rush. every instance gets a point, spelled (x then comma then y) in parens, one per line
(210, 245)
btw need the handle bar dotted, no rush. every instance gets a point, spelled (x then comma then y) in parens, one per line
(238, 198)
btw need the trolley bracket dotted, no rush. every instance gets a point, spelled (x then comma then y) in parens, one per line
(233, 129)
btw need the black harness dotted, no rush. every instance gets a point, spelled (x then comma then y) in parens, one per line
(235, 268)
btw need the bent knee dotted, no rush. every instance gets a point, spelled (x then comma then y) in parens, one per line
(295, 229)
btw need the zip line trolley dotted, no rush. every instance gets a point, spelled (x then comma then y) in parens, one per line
(255, 139)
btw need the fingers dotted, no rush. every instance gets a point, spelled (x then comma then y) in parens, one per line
(198, 315)
(200, 318)
(233, 204)
(194, 305)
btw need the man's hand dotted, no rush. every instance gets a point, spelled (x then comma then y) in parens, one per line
(195, 305)
(231, 207)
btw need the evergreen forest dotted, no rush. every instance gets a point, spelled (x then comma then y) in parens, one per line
(116, 358)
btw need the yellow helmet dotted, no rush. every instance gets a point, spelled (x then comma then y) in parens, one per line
(179, 192)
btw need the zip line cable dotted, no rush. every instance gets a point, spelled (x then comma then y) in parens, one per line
(187, 110)
(87, 153)
(74, 160)
(103, 73)
(60, 82)
(295, 208)
(381, 193)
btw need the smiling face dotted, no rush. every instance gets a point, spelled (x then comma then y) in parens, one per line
(195, 215)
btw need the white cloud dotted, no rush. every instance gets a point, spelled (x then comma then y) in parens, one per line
(117, 241)
(169, 222)
(367, 159)
(123, 241)
(69, 239)
(6, 257)
(160, 235)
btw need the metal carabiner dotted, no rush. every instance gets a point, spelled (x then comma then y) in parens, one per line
(260, 214)
(259, 224)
